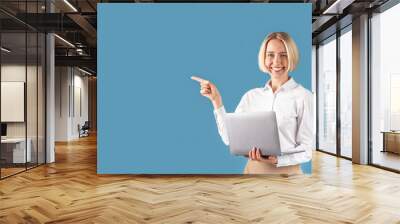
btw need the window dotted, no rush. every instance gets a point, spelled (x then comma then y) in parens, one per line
(385, 88)
(327, 96)
(346, 75)
(22, 66)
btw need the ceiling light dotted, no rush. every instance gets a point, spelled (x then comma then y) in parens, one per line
(64, 40)
(338, 6)
(5, 49)
(84, 71)
(71, 6)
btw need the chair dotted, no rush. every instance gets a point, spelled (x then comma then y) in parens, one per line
(84, 130)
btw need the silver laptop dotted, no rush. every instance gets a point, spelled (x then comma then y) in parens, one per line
(253, 129)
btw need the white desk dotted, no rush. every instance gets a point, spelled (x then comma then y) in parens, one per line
(18, 144)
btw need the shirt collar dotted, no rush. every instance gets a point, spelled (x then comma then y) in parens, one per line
(290, 84)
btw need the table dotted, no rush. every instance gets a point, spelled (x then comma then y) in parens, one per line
(13, 150)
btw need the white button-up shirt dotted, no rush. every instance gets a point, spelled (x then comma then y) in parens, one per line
(293, 105)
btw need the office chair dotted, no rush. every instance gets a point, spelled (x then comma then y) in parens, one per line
(84, 130)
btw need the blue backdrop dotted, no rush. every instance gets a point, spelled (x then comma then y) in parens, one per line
(151, 117)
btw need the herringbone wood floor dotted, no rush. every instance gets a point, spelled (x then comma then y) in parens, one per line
(70, 191)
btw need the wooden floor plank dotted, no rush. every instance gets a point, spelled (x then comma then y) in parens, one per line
(70, 191)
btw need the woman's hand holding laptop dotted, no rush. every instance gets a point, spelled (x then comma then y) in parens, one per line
(255, 154)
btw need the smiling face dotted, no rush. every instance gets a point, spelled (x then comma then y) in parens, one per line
(276, 59)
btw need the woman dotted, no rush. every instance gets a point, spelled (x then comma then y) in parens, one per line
(292, 103)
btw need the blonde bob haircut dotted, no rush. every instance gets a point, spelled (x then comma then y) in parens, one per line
(291, 49)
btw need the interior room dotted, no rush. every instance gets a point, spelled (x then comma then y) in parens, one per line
(49, 127)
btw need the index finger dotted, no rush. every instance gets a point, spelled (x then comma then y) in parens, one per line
(198, 79)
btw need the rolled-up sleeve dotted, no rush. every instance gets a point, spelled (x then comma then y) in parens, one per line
(305, 136)
(220, 119)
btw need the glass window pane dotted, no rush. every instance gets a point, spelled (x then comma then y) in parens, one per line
(31, 87)
(22, 89)
(13, 86)
(385, 114)
(41, 98)
(31, 101)
(346, 94)
(327, 96)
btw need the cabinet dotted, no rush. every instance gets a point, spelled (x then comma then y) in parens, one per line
(391, 141)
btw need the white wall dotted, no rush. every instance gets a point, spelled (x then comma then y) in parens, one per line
(62, 80)
(71, 87)
(10, 73)
(15, 72)
(79, 102)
